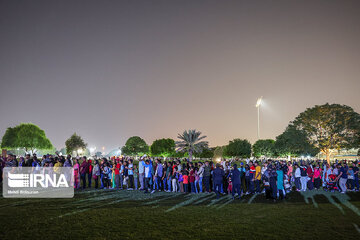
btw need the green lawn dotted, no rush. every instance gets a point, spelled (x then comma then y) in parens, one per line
(109, 214)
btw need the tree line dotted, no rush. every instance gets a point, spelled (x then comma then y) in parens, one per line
(322, 128)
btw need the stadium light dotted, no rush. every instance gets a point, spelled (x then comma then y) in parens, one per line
(258, 104)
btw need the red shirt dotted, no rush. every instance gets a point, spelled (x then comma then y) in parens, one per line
(192, 176)
(117, 168)
(186, 179)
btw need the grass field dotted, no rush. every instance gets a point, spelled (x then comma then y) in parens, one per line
(110, 214)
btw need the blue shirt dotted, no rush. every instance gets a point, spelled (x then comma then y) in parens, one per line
(148, 168)
(130, 172)
(344, 172)
(141, 167)
(280, 179)
(159, 170)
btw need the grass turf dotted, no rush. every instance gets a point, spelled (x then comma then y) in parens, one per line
(110, 214)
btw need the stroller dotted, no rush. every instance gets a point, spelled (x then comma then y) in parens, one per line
(287, 184)
(331, 184)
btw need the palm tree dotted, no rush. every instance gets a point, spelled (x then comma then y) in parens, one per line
(191, 142)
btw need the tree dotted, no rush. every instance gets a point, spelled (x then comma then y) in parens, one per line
(191, 143)
(264, 147)
(164, 147)
(238, 148)
(330, 127)
(206, 153)
(26, 136)
(294, 142)
(9, 138)
(74, 143)
(135, 146)
(219, 152)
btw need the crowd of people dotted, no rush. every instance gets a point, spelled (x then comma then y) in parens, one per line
(272, 177)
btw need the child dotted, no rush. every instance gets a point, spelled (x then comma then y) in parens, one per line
(185, 181)
(229, 188)
(181, 183)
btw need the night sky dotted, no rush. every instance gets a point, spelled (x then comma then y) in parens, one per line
(109, 70)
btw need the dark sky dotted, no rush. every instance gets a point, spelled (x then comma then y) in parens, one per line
(109, 70)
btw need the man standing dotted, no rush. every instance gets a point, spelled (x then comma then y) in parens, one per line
(141, 173)
(147, 170)
(257, 177)
(207, 171)
(131, 174)
(218, 179)
(84, 168)
(158, 174)
(252, 172)
(28, 161)
(235, 178)
(343, 178)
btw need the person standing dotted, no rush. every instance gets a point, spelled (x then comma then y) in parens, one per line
(343, 178)
(252, 172)
(297, 178)
(257, 177)
(200, 173)
(131, 174)
(192, 180)
(236, 185)
(136, 177)
(141, 173)
(116, 168)
(207, 172)
(89, 172)
(218, 179)
(96, 173)
(76, 175)
(280, 182)
(356, 176)
(168, 177)
(273, 184)
(317, 177)
(83, 170)
(304, 177)
(147, 170)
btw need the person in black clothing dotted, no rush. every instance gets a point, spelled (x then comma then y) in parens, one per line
(235, 177)
(218, 178)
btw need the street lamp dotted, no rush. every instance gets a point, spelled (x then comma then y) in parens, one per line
(79, 151)
(258, 104)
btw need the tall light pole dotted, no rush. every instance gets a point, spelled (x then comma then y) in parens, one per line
(258, 104)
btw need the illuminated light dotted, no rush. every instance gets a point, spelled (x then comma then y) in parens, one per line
(79, 151)
(302, 157)
(258, 102)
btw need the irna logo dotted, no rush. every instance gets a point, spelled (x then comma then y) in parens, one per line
(20, 180)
